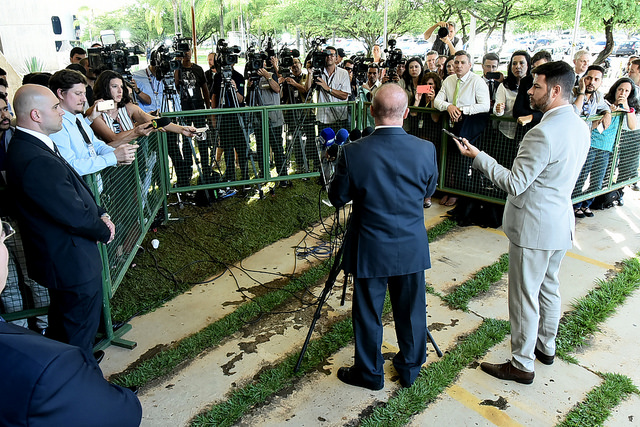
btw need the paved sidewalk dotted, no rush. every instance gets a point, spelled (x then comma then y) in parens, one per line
(321, 399)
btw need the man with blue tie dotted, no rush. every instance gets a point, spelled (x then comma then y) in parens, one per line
(538, 217)
(387, 175)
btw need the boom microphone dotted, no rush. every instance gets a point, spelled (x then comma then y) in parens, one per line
(159, 122)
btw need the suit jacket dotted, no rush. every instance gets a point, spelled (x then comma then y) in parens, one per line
(57, 214)
(48, 383)
(538, 213)
(387, 175)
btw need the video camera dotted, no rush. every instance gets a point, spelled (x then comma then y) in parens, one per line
(360, 67)
(114, 55)
(317, 56)
(286, 60)
(271, 53)
(394, 58)
(255, 61)
(226, 58)
(169, 58)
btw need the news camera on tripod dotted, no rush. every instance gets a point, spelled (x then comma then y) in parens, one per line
(333, 86)
(228, 92)
(263, 89)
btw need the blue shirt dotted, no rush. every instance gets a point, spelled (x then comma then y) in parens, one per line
(84, 158)
(153, 87)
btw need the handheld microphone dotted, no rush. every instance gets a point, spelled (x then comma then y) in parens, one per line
(328, 137)
(355, 135)
(159, 122)
(367, 131)
(341, 137)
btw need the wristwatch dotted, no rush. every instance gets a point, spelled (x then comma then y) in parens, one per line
(138, 91)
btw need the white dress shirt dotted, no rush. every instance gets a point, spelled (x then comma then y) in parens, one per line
(473, 94)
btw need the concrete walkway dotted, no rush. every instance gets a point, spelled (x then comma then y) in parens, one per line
(321, 399)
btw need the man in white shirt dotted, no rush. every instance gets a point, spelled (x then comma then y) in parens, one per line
(465, 96)
(77, 143)
(333, 86)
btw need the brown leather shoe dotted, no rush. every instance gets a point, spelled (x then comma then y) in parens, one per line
(506, 371)
(543, 358)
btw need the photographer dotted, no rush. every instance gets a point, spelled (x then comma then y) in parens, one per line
(334, 86)
(299, 122)
(229, 126)
(444, 41)
(269, 92)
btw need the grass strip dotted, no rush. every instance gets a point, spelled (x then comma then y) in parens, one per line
(481, 281)
(436, 377)
(597, 406)
(600, 303)
(189, 347)
(165, 361)
(440, 229)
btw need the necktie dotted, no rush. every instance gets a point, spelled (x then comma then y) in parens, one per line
(455, 93)
(82, 131)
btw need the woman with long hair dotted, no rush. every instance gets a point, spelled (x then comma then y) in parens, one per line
(519, 67)
(622, 97)
(126, 121)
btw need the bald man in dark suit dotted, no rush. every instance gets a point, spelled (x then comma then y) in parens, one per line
(60, 221)
(387, 175)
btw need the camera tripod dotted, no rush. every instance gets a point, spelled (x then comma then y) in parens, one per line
(297, 132)
(226, 89)
(322, 299)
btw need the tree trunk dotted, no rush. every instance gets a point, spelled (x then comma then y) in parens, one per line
(608, 47)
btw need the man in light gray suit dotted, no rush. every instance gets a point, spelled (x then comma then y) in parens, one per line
(538, 217)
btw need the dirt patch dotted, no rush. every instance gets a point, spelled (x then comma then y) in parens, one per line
(149, 354)
(500, 403)
(438, 326)
(227, 367)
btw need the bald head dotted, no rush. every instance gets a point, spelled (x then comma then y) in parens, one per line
(38, 109)
(389, 105)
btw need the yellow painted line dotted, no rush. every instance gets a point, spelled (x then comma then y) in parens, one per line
(488, 412)
(591, 261)
(430, 222)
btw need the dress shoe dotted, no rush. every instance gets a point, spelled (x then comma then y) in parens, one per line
(98, 355)
(351, 376)
(543, 358)
(506, 371)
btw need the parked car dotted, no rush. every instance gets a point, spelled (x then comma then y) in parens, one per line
(629, 48)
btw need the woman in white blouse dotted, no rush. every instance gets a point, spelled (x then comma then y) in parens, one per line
(519, 67)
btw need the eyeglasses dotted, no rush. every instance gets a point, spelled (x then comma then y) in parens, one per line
(7, 230)
(348, 68)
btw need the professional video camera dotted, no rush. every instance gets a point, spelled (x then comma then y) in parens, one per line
(226, 58)
(255, 61)
(317, 56)
(115, 56)
(394, 58)
(271, 53)
(360, 67)
(169, 58)
(286, 60)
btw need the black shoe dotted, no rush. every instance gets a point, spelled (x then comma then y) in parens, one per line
(351, 376)
(578, 213)
(506, 371)
(543, 358)
(98, 355)
(284, 184)
(587, 212)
